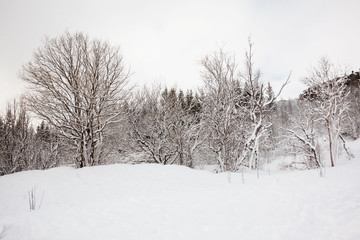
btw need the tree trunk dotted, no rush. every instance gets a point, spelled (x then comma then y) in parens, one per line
(330, 143)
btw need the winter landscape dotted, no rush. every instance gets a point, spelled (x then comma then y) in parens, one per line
(138, 120)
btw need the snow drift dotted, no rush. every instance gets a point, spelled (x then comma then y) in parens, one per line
(173, 202)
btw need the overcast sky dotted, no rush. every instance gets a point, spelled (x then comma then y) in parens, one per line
(164, 40)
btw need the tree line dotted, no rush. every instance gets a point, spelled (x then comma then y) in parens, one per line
(22, 147)
(91, 114)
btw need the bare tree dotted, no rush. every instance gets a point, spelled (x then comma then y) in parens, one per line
(166, 125)
(16, 140)
(50, 149)
(224, 119)
(188, 127)
(329, 94)
(236, 116)
(151, 125)
(303, 136)
(78, 87)
(256, 106)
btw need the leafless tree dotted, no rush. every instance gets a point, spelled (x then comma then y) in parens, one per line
(304, 135)
(236, 116)
(188, 127)
(166, 125)
(151, 126)
(11, 137)
(329, 94)
(78, 87)
(16, 140)
(224, 119)
(256, 106)
(50, 148)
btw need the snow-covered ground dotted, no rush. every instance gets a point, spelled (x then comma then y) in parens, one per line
(173, 202)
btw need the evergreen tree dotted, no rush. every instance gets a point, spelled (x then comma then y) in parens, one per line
(269, 94)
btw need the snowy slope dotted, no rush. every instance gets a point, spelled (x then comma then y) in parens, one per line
(173, 202)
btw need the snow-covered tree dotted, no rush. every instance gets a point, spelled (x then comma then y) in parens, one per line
(22, 148)
(304, 135)
(236, 117)
(352, 125)
(327, 90)
(257, 103)
(50, 149)
(222, 113)
(188, 127)
(166, 125)
(78, 87)
(149, 126)
(16, 140)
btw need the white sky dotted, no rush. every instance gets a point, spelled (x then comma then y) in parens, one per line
(164, 40)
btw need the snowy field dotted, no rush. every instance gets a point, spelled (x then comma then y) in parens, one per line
(173, 202)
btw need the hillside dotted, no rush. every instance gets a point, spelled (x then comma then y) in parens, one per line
(173, 202)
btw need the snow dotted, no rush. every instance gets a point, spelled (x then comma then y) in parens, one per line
(150, 201)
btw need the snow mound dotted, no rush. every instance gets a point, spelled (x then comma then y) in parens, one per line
(172, 202)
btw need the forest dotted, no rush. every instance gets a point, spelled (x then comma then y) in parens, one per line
(83, 110)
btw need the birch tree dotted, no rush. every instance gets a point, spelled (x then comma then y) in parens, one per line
(327, 90)
(224, 119)
(78, 86)
(256, 105)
